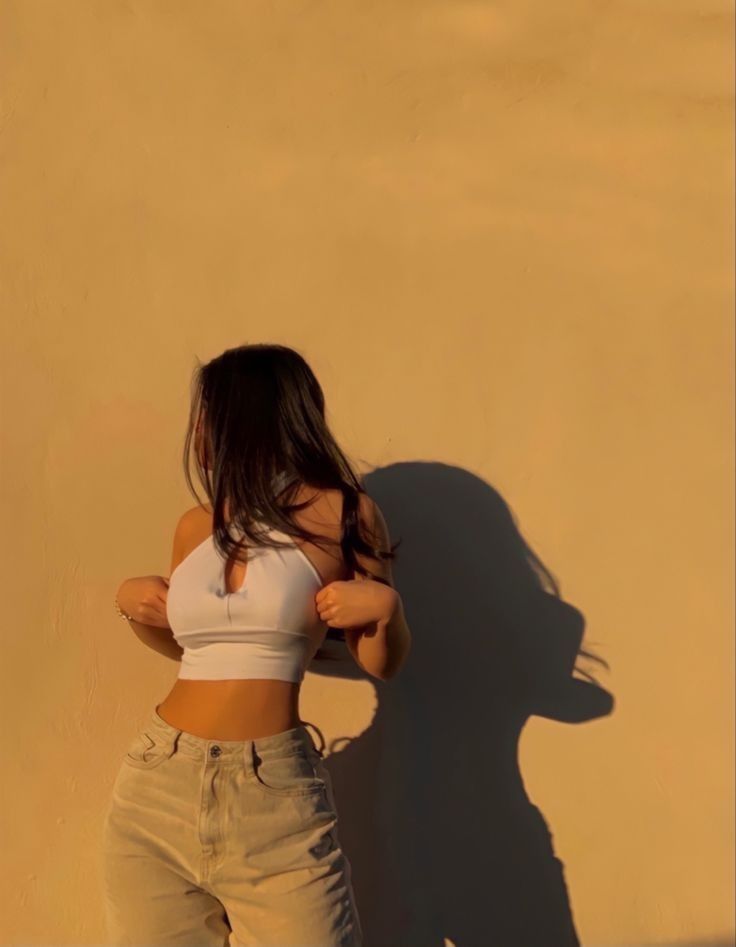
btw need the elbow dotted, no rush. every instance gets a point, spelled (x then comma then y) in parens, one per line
(384, 651)
(389, 671)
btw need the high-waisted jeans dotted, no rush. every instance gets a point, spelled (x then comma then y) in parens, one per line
(207, 837)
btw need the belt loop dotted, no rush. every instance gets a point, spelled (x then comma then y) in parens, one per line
(318, 749)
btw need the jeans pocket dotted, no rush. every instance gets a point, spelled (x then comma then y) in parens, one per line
(148, 750)
(296, 772)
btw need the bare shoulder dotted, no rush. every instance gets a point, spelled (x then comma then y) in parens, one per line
(193, 519)
(327, 506)
(323, 509)
(190, 529)
(374, 530)
(373, 521)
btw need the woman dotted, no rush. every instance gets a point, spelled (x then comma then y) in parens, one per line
(223, 815)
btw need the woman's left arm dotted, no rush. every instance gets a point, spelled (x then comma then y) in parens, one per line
(381, 647)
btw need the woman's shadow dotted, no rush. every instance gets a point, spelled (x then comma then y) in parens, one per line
(445, 845)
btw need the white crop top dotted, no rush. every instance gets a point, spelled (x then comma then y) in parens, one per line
(269, 628)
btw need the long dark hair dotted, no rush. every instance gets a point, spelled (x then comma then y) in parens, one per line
(258, 412)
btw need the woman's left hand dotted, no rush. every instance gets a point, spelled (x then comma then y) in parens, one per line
(355, 602)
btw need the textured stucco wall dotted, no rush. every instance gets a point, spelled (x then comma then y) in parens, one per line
(502, 234)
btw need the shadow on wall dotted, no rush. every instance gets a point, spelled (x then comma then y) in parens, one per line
(444, 842)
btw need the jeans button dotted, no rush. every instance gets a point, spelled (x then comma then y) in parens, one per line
(215, 751)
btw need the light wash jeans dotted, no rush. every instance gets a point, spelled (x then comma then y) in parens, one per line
(207, 837)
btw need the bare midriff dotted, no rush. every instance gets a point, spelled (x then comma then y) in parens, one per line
(251, 708)
(232, 709)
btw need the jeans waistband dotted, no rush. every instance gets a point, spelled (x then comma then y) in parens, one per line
(292, 740)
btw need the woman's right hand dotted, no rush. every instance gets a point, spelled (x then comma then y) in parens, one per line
(144, 599)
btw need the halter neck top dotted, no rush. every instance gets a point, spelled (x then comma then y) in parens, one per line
(268, 628)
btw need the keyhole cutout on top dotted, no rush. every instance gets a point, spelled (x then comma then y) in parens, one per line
(237, 571)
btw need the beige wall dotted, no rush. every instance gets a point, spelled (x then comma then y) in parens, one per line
(502, 234)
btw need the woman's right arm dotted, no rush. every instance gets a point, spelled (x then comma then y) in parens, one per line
(144, 599)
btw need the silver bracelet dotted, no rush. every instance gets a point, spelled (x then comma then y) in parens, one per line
(122, 614)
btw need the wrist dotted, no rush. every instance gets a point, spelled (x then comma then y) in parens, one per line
(122, 603)
(389, 604)
(121, 613)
